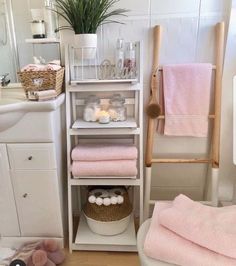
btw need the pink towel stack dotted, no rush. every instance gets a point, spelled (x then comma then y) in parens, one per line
(188, 233)
(115, 160)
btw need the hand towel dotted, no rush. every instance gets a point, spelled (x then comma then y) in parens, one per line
(104, 168)
(38, 67)
(187, 99)
(104, 152)
(162, 244)
(213, 228)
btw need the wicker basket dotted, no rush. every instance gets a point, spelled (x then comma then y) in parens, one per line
(42, 80)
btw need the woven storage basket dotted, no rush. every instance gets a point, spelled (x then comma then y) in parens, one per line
(109, 220)
(42, 80)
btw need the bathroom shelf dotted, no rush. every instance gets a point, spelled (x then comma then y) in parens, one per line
(125, 181)
(98, 81)
(93, 87)
(78, 131)
(104, 131)
(43, 41)
(81, 124)
(85, 238)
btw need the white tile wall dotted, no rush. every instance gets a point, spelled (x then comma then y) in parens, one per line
(187, 37)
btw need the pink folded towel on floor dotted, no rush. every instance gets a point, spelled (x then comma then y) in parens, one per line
(104, 152)
(104, 168)
(209, 227)
(187, 99)
(164, 245)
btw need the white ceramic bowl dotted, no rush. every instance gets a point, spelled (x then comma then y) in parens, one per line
(108, 228)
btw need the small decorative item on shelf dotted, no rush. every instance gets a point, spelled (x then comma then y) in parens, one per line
(117, 109)
(92, 109)
(108, 210)
(104, 117)
(38, 29)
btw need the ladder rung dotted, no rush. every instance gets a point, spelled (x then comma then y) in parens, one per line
(160, 117)
(196, 160)
(213, 67)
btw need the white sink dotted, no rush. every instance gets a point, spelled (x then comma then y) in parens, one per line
(6, 101)
(12, 109)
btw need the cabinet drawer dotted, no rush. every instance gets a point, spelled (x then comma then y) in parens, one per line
(32, 156)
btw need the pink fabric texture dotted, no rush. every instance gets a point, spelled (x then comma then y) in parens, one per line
(212, 228)
(35, 67)
(163, 244)
(186, 99)
(104, 168)
(104, 152)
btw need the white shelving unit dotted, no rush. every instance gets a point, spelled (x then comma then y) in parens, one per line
(130, 131)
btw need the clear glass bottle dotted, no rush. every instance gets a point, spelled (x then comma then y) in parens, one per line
(117, 109)
(130, 57)
(120, 54)
(92, 109)
(50, 19)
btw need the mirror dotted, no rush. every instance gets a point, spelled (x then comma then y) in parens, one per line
(15, 29)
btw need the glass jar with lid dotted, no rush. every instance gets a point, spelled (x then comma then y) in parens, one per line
(91, 109)
(117, 109)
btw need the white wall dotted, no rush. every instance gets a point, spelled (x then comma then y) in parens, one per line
(188, 37)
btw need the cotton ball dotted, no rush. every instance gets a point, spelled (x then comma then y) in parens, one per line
(113, 200)
(92, 199)
(120, 199)
(107, 201)
(99, 201)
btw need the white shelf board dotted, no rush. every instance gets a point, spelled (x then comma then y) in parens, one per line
(100, 88)
(105, 181)
(87, 239)
(42, 41)
(81, 124)
(97, 81)
(104, 132)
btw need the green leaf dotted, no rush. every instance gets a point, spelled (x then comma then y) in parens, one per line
(85, 16)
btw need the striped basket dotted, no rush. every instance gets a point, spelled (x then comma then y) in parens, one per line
(42, 80)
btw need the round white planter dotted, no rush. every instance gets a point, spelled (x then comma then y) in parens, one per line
(108, 228)
(87, 44)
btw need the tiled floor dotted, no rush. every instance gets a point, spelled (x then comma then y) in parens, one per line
(84, 258)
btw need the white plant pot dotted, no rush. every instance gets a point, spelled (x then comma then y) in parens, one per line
(87, 44)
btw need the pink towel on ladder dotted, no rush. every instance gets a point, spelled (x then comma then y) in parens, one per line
(213, 228)
(162, 244)
(186, 99)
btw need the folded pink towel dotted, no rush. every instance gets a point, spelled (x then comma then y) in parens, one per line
(36, 67)
(213, 228)
(104, 152)
(104, 168)
(162, 244)
(186, 99)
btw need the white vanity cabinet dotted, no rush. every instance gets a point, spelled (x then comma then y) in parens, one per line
(9, 225)
(32, 180)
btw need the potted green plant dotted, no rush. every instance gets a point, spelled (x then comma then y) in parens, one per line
(84, 17)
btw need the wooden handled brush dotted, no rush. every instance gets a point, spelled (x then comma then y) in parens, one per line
(153, 109)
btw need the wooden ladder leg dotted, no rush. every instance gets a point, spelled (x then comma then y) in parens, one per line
(147, 191)
(220, 29)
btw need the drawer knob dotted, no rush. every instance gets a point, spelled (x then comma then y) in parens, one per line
(30, 158)
(25, 195)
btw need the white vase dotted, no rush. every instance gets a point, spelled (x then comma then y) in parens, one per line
(87, 44)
